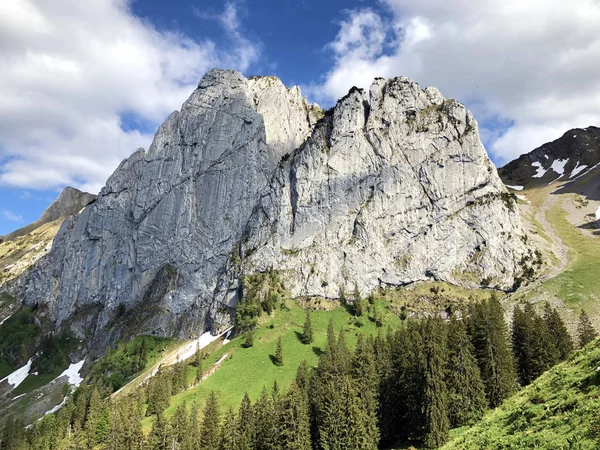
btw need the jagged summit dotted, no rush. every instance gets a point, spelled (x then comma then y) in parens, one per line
(248, 176)
(69, 202)
(572, 155)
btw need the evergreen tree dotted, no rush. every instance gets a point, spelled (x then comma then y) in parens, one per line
(199, 357)
(383, 365)
(585, 330)
(248, 339)
(521, 345)
(93, 418)
(266, 426)
(278, 358)
(180, 426)
(195, 440)
(359, 304)
(466, 394)
(437, 425)
(179, 378)
(160, 437)
(159, 393)
(558, 332)
(364, 372)
(246, 425)
(143, 355)
(294, 422)
(488, 332)
(307, 332)
(229, 432)
(303, 377)
(210, 423)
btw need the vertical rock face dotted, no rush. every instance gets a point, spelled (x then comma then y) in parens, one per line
(245, 178)
(167, 220)
(386, 192)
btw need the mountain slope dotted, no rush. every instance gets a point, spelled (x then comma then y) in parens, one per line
(575, 153)
(248, 176)
(560, 410)
(20, 249)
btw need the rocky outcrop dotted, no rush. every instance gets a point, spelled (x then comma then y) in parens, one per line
(573, 155)
(387, 191)
(69, 202)
(248, 176)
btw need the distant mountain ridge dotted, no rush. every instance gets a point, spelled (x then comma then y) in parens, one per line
(572, 155)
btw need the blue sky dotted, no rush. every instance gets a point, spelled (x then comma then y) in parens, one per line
(85, 83)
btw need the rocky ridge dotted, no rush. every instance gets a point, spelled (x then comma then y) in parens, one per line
(248, 177)
(569, 157)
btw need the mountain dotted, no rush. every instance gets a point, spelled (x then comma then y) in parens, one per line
(571, 156)
(381, 191)
(23, 247)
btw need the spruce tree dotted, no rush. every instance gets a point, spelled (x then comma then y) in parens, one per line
(278, 358)
(383, 365)
(160, 437)
(307, 332)
(198, 363)
(210, 424)
(466, 394)
(246, 425)
(248, 339)
(558, 332)
(303, 377)
(585, 330)
(229, 439)
(364, 372)
(489, 335)
(195, 440)
(294, 422)
(521, 345)
(180, 426)
(437, 424)
(265, 423)
(93, 417)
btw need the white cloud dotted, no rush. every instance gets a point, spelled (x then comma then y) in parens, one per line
(533, 62)
(71, 69)
(9, 215)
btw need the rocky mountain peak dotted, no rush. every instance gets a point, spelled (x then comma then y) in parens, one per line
(572, 155)
(249, 177)
(69, 202)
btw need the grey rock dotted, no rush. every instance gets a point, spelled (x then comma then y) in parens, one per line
(248, 176)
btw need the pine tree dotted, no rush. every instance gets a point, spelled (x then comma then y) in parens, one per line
(585, 330)
(294, 422)
(558, 332)
(210, 424)
(246, 425)
(265, 423)
(93, 417)
(180, 426)
(229, 439)
(364, 373)
(159, 393)
(248, 339)
(278, 358)
(488, 332)
(160, 437)
(307, 332)
(466, 394)
(437, 425)
(198, 363)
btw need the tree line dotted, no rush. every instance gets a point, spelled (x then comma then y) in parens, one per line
(409, 386)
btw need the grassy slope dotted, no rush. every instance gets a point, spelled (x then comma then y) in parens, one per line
(249, 369)
(560, 410)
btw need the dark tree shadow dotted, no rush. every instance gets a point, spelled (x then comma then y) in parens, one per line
(317, 351)
(273, 359)
(593, 225)
(299, 336)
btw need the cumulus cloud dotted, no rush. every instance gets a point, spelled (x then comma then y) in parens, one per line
(532, 64)
(72, 70)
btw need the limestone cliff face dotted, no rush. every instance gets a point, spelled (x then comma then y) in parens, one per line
(386, 191)
(248, 176)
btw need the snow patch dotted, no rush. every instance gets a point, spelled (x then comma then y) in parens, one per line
(19, 375)
(598, 213)
(226, 341)
(73, 373)
(577, 170)
(558, 165)
(514, 188)
(540, 170)
(56, 408)
(5, 319)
